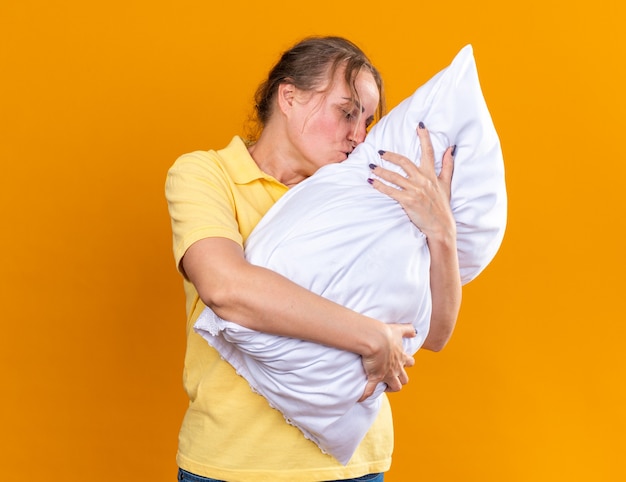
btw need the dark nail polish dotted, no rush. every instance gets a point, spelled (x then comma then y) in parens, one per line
(372, 166)
(453, 150)
(370, 180)
(381, 152)
(421, 125)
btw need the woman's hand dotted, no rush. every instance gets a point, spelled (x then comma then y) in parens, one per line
(387, 363)
(425, 198)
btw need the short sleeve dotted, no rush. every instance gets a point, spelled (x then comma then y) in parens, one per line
(200, 200)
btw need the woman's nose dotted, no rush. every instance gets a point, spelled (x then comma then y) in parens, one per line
(358, 134)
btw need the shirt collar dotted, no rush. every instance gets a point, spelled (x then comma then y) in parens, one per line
(241, 167)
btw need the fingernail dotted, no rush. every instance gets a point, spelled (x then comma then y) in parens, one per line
(370, 180)
(453, 150)
(372, 166)
(421, 125)
(381, 153)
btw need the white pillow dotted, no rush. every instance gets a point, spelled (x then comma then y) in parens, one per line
(452, 106)
(339, 237)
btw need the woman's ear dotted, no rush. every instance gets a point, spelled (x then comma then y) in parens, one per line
(285, 96)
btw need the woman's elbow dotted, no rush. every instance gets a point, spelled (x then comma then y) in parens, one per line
(435, 343)
(209, 298)
(216, 268)
(217, 296)
(439, 336)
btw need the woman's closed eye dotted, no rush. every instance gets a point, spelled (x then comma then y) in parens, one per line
(350, 114)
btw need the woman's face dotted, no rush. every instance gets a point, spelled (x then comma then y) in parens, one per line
(326, 125)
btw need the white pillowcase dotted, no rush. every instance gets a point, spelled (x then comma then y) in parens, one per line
(452, 106)
(337, 236)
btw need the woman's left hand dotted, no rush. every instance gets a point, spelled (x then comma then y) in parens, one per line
(424, 196)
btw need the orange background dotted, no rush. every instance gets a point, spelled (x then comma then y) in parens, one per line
(98, 99)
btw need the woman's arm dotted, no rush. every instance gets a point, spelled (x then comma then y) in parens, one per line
(426, 199)
(445, 285)
(265, 301)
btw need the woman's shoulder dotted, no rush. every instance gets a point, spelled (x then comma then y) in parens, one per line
(235, 152)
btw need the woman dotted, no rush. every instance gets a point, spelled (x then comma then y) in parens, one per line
(314, 109)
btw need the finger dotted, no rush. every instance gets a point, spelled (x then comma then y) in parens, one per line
(369, 389)
(393, 384)
(408, 330)
(403, 377)
(447, 165)
(390, 176)
(409, 361)
(385, 189)
(396, 185)
(427, 161)
(408, 166)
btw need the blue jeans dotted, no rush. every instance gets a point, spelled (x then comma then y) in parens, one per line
(184, 476)
(364, 478)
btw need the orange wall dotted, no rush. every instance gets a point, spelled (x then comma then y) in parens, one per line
(98, 99)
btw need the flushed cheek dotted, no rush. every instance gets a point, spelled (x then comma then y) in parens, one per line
(327, 131)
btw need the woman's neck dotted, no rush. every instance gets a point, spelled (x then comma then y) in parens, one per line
(274, 157)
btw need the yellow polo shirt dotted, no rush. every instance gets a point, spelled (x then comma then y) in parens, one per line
(230, 432)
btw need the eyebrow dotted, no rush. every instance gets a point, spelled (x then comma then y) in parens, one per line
(355, 102)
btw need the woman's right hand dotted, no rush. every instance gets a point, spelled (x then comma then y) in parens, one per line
(388, 361)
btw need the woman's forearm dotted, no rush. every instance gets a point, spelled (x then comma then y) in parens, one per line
(263, 300)
(445, 285)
